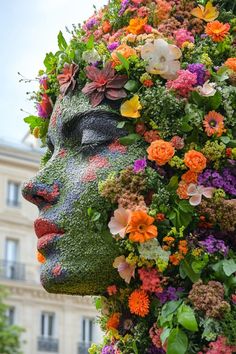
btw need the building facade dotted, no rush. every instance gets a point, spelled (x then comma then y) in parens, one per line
(53, 323)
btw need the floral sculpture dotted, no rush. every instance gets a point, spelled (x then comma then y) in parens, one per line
(164, 74)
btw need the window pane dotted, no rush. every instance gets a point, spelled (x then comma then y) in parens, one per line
(13, 193)
(50, 325)
(10, 313)
(42, 325)
(90, 330)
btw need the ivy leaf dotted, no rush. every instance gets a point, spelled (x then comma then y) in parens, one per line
(131, 86)
(186, 318)
(129, 139)
(229, 267)
(61, 41)
(123, 61)
(188, 270)
(177, 342)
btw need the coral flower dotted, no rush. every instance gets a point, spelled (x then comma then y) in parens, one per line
(160, 151)
(119, 222)
(131, 108)
(126, 270)
(195, 161)
(231, 63)
(67, 78)
(45, 106)
(190, 177)
(139, 303)
(137, 25)
(182, 190)
(208, 13)
(214, 124)
(125, 50)
(141, 227)
(114, 321)
(217, 30)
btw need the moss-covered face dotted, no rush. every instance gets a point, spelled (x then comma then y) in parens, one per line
(72, 225)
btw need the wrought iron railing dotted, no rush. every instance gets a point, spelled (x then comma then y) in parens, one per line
(12, 270)
(47, 344)
(83, 347)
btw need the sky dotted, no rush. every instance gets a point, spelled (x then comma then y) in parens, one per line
(28, 30)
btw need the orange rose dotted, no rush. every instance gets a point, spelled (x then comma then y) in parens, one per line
(189, 177)
(137, 25)
(195, 161)
(106, 26)
(231, 63)
(113, 321)
(160, 151)
(182, 190)
(125, 50)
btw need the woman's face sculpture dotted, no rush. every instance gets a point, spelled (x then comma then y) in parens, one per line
(79, 251)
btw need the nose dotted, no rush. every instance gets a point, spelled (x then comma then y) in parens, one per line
(41, 194)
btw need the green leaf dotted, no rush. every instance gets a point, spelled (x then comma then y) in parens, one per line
(214, 102)
(177, 342)
(194, 277)
(229, 267)
(131, 86)
(98, 303)
(90, 43)
(185, 206)
(129, 139)
(225, 139)
(135, 347)
(62, 45)
(173, 184)
(123, 61)
(170, 307)
(50, 61)
(33, 121)
(121, 125)
(186, 318)
(165, 334)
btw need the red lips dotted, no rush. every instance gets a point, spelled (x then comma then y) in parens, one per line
(46, 231)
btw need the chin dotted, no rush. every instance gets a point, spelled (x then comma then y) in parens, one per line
(58, 279)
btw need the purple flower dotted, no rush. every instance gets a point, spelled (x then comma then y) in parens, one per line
(113, 46)
(225, 180)
(200, 70)
(154, 350)
(140, 165)
(169, 294)
(124, 5)
(91, 23)
(108, 349)
(212, 245)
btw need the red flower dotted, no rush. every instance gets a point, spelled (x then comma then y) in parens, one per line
(67, 78)
(105, 84)
(45, 106)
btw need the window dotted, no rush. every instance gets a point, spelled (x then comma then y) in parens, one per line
(10, 314)
(11, 257)
(47, 324)
(13, 194)
(88, 330)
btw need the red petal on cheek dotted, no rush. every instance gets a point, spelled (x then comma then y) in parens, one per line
(98, 162)
(57, 270)
(62, 153)
(117, 147)
(89, 176)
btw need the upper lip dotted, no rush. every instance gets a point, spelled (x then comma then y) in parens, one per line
(44, 227)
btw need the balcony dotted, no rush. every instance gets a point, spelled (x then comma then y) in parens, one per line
(12, 270)
(48, 344)
(83, 347)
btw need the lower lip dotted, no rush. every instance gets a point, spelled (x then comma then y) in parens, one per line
(47, 239)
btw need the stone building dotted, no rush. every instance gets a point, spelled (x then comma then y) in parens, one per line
(53, 323)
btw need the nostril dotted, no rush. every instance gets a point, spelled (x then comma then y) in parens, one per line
(41, 194)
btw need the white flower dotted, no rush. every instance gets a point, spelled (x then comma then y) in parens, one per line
(119, 222)
(91, 56)
(207, 90)
(162, 58)
(196, 192)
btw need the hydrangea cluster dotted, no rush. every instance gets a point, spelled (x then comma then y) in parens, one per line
(168, 68)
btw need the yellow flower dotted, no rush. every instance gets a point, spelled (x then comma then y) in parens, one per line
(131, 108)
(208, 13)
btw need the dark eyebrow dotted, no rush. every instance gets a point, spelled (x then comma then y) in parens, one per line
(100, 121)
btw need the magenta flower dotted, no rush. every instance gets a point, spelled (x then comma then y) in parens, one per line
(196, 192)
(140, 165)
(105, 84)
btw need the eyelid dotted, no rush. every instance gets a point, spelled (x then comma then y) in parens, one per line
(92, 136)
(50, 144)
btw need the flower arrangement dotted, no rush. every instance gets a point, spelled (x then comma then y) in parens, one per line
(169, 69)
